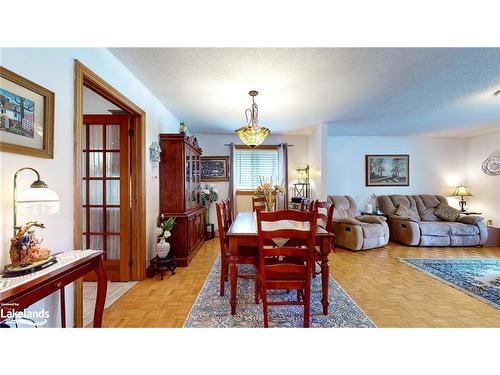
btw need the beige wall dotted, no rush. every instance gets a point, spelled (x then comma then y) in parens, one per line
(485, 189)
(437, 165)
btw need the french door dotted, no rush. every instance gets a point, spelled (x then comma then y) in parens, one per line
(106, 191)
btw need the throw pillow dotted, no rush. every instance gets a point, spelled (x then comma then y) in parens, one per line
(447, 213)
(407, 212)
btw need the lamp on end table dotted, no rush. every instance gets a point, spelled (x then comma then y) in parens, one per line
(462, 191)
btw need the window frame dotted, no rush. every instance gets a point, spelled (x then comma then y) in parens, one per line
(245, 147)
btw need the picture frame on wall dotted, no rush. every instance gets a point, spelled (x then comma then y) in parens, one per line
(26, 116)
(387, 170)
(214, 168)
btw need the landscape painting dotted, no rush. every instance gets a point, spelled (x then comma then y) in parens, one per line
(387, 170)
(17, 114)
(214, 168)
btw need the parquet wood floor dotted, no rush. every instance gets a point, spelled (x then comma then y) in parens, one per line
(390, 292)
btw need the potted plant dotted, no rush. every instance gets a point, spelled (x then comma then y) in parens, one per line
(164, 231)
(208, 195)
(269, 191)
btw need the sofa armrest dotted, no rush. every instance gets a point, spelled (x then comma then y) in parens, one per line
(470, 219)
(371, 219)
(347, 221)
(402, 218)
(483, 232)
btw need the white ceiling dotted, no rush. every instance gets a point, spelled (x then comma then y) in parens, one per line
(356, 91)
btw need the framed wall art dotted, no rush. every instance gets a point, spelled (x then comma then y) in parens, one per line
(26, 116)
(387, 170)
(214, 168)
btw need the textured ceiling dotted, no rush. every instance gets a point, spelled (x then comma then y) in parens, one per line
(356, 91)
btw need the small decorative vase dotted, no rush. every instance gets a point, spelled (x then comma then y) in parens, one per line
(269, 206)
(206, 214)
(162, 248)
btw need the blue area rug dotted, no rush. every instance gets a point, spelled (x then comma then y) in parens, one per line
(479, 278)
(213, 311)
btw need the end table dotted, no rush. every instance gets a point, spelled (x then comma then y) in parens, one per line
(493, 237)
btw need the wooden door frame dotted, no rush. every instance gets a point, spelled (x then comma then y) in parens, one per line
(84, 77)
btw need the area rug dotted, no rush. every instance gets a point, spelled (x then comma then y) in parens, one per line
(479, 278)
(213, 311)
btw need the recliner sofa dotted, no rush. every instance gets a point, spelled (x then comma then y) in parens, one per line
(354, 231)
(430, 230)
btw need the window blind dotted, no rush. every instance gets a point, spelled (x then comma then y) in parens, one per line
(250, 165)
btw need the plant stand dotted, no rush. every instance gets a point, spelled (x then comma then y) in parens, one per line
(160, 265)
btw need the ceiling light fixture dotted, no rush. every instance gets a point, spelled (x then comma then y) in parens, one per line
(252, 134)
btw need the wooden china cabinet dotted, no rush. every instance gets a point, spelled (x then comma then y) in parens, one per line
(180, 185)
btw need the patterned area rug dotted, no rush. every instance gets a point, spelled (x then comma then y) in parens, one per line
(213, 311)
(479, 278)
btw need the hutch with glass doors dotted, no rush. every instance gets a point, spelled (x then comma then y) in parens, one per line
(180, 186)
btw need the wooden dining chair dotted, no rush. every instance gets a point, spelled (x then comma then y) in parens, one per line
(258, 203)
(306, 204)
(289, 266)
(325, 214)
(325, 221)
(246, 254)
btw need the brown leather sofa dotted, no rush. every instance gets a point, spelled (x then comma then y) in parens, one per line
(428, 229)
(354, 231)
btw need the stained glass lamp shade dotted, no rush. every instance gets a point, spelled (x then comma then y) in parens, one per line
(252, 134)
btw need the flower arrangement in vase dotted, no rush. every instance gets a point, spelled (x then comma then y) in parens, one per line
(208, 195)
(269, 191)
(162, 232)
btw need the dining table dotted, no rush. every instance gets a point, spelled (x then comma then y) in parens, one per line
(243, 232)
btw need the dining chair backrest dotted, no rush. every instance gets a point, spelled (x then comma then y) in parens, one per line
(258, 203)
(221, 223)
(325, 214)
(303, 235)
(228, 214)
(288, 266)
(306, 205)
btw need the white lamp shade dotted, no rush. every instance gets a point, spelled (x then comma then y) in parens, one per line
(35, 201)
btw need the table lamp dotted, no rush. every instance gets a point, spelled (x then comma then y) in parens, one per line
(38, 199)
(462, 191)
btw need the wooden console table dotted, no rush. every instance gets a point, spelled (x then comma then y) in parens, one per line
(18, 293)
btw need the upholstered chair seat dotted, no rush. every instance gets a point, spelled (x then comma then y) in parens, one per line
(354, 231)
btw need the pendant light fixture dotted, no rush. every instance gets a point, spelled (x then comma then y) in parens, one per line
(252, 134)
